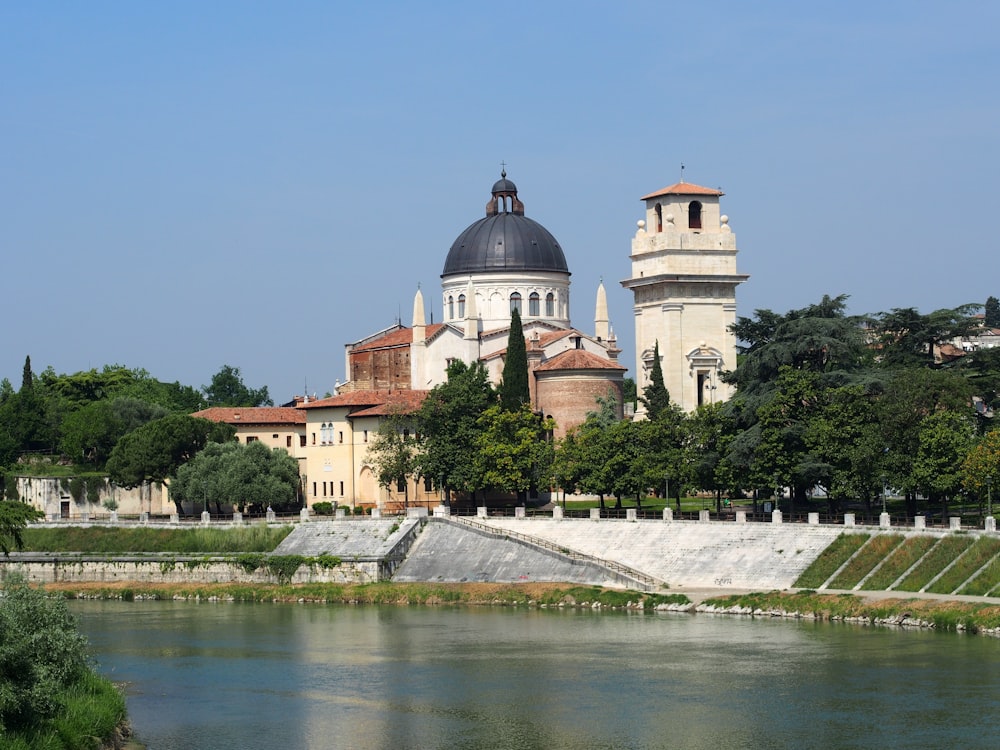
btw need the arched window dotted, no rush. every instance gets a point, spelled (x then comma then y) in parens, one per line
(533, 304)
(451, 307)
(515, 302)
(550, 304)
(694, 215)
(659, 218)
(461, 305)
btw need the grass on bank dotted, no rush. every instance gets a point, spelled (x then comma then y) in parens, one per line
(93, 712)
(984, 550)
(865, 561)
(946, 550)
(830, 559)
(943, 615)
(501, 594)
(117, 541)
(986, 582)
(901, 561)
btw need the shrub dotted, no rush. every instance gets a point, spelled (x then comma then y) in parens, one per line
(323, 509)
(41, 654)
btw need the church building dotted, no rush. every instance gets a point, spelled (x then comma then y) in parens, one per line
(502, 262)
(684, 283)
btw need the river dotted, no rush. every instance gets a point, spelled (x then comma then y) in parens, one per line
(216, 676)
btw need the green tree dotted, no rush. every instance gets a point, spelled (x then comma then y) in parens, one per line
(907, 338)
(449, 426)
(514, 389)
(908, 397)
(708, 435)
(513, 452)
(393, 453)
(90, 433)
(655, 397)
(569, 465)
(629, 392)
(991, 317)
(228, 389)
(626, 445)
(981, 467)
(14, 517)
(606, 413)
(845, 435)
(153, 452)
(945, 440)
(249, 476)
(27, 377)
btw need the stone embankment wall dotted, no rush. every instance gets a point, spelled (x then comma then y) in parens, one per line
(70, 569)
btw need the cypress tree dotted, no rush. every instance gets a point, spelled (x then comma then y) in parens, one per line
(27, 379)
(514, 388)
(992, 316)
(655, 397)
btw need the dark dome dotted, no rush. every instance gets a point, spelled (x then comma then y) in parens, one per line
(503, 185)
(505, 240)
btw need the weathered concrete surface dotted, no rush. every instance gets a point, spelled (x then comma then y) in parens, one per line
(167, 569)
(348, 538)
(755, 556)
(448, 552)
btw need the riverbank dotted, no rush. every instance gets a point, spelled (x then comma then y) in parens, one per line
(946, 614)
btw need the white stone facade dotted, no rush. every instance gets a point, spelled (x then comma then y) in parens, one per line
(684, 281)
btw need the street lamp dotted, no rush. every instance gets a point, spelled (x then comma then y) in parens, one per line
(989, 494)
(885, 491)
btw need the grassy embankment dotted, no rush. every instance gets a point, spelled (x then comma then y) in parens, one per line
(148, 539)
(935, 564)
(943, 615)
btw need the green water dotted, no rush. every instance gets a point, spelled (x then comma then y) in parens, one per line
(241, 677)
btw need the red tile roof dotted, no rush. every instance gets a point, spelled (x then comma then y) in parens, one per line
(578, 359)
(253, 414)
(682, 188)
(389, 401)
(396, 338)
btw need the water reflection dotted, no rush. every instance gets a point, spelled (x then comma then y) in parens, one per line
(221, 676)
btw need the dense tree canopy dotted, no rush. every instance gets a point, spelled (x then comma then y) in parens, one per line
(512, 450)
(228, 389)
(448, 421)
(248, 476)
(154, 451)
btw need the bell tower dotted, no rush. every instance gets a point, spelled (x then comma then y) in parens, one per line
(684, 283)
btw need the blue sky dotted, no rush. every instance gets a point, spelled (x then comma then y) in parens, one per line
(188, 184)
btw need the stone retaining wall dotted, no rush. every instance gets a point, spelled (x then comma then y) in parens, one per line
(179, 570)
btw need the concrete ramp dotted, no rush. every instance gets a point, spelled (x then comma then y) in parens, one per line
(448, 552)
(361, 538)
(757, 556)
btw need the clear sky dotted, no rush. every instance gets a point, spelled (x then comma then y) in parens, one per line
(190, 184)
